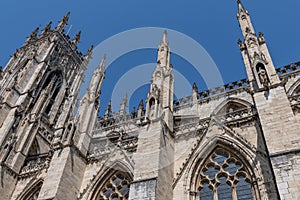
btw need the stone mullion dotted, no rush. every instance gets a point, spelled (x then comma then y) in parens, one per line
(234, 193)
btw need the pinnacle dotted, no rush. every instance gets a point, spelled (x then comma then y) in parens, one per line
(89, 52)
(77, 38)
(63, 22)
(240, 6)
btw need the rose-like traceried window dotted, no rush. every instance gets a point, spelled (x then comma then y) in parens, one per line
(116, 188)
(224, 177)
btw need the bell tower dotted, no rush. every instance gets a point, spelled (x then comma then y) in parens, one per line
(38, 96)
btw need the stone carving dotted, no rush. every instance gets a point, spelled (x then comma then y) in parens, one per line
(263, 77)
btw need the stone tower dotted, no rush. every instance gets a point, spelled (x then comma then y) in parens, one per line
(38, 96)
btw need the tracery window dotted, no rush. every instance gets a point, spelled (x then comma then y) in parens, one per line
(55, 86)
(116, 188)
(224, 177)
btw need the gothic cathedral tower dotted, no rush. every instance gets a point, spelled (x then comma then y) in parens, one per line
(38, 96)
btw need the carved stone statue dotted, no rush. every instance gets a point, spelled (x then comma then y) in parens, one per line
(263, 77)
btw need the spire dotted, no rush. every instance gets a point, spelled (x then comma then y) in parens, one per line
(63, 22)
(98, 76)
(76, 39)
(47, 28)
(163, 56)
(124, 105)
(108, 110)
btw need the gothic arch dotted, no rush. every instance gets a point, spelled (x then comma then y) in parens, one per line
(32, 191)
(294, 89)
(46, 79)
(231, 103)
(107, 175)
(242, 153)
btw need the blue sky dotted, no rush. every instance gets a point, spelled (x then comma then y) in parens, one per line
(212, 24)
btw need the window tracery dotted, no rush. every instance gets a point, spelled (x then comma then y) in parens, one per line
(224, 177)
(116, 188)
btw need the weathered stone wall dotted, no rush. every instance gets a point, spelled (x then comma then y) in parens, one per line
(7, 183)
(64, 175)
(287, 171)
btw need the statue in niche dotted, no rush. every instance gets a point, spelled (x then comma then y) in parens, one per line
(262, 75)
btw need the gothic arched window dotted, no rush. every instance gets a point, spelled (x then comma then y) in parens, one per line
(115, 188)
(54, 88)
(224, 177)
(32, 193)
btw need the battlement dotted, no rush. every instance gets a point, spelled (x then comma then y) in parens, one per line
(116, 119)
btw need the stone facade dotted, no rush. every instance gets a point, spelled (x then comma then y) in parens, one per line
(237, 141)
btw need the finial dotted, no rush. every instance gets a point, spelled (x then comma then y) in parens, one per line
(165, 39)
(47, 28)
(240, 6)
(108, 109)
(76, 39)
(63, 22)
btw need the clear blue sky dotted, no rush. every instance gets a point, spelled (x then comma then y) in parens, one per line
(212, 24)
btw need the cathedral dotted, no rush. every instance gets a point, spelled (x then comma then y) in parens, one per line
(239, 141)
